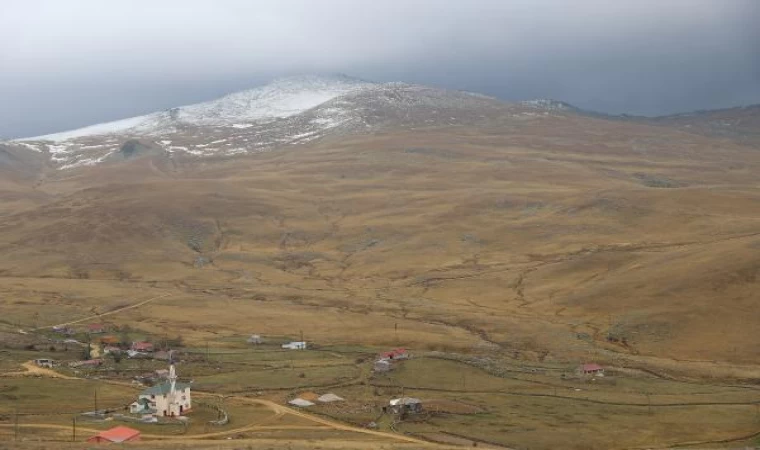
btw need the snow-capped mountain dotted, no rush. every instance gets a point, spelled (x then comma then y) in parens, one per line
(283, 97)
(288, 111)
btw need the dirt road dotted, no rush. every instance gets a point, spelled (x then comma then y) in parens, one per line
(108, 313)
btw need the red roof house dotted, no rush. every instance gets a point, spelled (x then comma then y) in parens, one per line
(116, 435)
(142, 346)
(399, 353)
(591, 369)
(96, 328)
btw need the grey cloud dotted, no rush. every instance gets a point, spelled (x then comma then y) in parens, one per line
(67, 64)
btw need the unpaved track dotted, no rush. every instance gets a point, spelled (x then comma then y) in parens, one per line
(32, 369)
(278, 410)
(108, 313)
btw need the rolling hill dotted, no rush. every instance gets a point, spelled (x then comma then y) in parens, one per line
(532, 229)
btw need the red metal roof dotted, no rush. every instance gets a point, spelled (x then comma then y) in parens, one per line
(118, 434)
(394, 353)
(141, 346)
(591, 367)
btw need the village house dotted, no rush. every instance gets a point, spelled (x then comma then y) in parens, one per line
(166, 399)
(405, 405)
(43, 362)
(590, 370)
(382, 366)
(395, 354)
(255, 339)
(96, 328)
(116, 435)
(63, 330)
(295, 345)
(111, 350)
(142, 347)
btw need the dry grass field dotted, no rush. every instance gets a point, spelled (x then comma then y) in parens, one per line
(547, 243)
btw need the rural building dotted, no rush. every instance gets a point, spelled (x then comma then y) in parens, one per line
(134, 354)
(96, 328)
(142, 347)
(166, 399)
(117, 435)
(111, 349)
(300, 345)
(301, 403)
(382, 366)
(395, 354)
(63, 330)
(591, 370)
(405, 405)
(44, 363)
(329, 398)
(254, 339)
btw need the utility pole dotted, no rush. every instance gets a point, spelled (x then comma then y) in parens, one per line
(649, 403)
(95, 397)
(15, 424)
(207, 351)
(395, 328)
(302, 339)
(74, 429)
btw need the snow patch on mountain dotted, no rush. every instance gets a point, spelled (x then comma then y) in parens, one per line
(282, 98)
(548, 104)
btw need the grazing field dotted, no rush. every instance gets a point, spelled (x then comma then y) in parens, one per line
(502, 257)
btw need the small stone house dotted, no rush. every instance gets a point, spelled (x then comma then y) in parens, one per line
(405, 405)
(44, 363)
(382, 366)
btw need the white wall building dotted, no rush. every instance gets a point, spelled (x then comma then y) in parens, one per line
(295, 346)
(167, 399)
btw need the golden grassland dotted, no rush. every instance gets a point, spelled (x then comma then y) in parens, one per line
(559, 241)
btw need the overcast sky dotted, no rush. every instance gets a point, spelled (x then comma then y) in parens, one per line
(69, 63)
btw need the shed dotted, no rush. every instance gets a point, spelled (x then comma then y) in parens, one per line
(295, 345)
(591, 369)
(329, 398)
(395, 354)
(254, 339)
(96, 328)
(142, 346)
(403, 405)
(116, 435)
(301, 403)
(44, 363)
(382, 366)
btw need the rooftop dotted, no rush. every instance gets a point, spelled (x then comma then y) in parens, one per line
(119, 434)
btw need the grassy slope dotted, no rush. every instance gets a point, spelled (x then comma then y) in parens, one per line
(529, 237)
